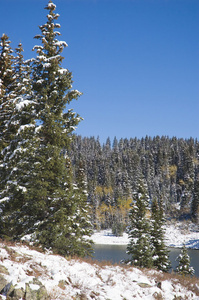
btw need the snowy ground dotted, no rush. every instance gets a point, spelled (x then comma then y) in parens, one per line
(175, 236)
(75, 279)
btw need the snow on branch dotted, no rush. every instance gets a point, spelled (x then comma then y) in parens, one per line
(38, 36)
(61, 43)
(37, 47)
(23, 103)
(51, 6)
(57, 25)
(62, 71)
(50, 17)
(57, 33)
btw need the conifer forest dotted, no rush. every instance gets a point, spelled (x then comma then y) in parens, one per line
(56, 187)
(168, 166)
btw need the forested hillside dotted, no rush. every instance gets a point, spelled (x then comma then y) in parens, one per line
(169, 167)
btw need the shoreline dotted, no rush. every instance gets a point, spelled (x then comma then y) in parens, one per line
(175, 237)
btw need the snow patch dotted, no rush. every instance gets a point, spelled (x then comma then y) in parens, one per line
(175, 236)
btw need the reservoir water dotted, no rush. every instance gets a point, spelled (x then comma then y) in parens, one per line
(116, 253)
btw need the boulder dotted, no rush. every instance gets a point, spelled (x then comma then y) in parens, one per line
(36, 291)
(15, 294)
(3, 270)
(144, 285)
(3, 283)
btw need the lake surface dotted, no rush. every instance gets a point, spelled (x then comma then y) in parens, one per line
(116, 253)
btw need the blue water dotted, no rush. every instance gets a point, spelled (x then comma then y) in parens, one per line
(116, 253)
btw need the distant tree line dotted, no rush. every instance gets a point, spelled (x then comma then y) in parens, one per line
(169, 166)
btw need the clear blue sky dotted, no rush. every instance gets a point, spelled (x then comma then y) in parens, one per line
(136, 61)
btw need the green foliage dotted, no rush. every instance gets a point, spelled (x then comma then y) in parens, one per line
(141, 252)
(18, 143)
(39, 195)
(183, 267)
(59, 203)
(146, 247)
(140, 247)
(6, 93)
(195, 201)
(160, 252)
(6, 69)
(118, 228)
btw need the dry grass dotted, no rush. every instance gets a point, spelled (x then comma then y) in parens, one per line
(188, 282)
(93, 262)
(36, 270)
(12, 253)
(110, 280)
(11, 243)
(57, 294)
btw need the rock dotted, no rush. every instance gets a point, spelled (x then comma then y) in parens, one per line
(36, 291)
(16, 294)
(31, 294)
(157, 295)
(62, 284)
(159, 285)
(144, 285)
(3, 283)
(3, 270)
(12, 293)
(82, 296)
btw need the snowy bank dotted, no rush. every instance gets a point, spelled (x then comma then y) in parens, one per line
(175, 236)
(77, 279)
(105, 237)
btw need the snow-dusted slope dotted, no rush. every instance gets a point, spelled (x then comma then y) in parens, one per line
(75, 279)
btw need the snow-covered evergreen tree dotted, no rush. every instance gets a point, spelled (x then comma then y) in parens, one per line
(38, 193)
(140, 247)
(183, 267)
(6, 95)
(53, 198)
(82, 216)
(6, 104)
(160, 254)
(18, 151)
(195, 200)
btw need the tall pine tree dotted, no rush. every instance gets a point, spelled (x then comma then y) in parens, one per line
(6, 107)
(6, 92)
(195, 200)
(54, 198)
(38, 193)
(17, 152)
(140, 248)
(160, 253)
